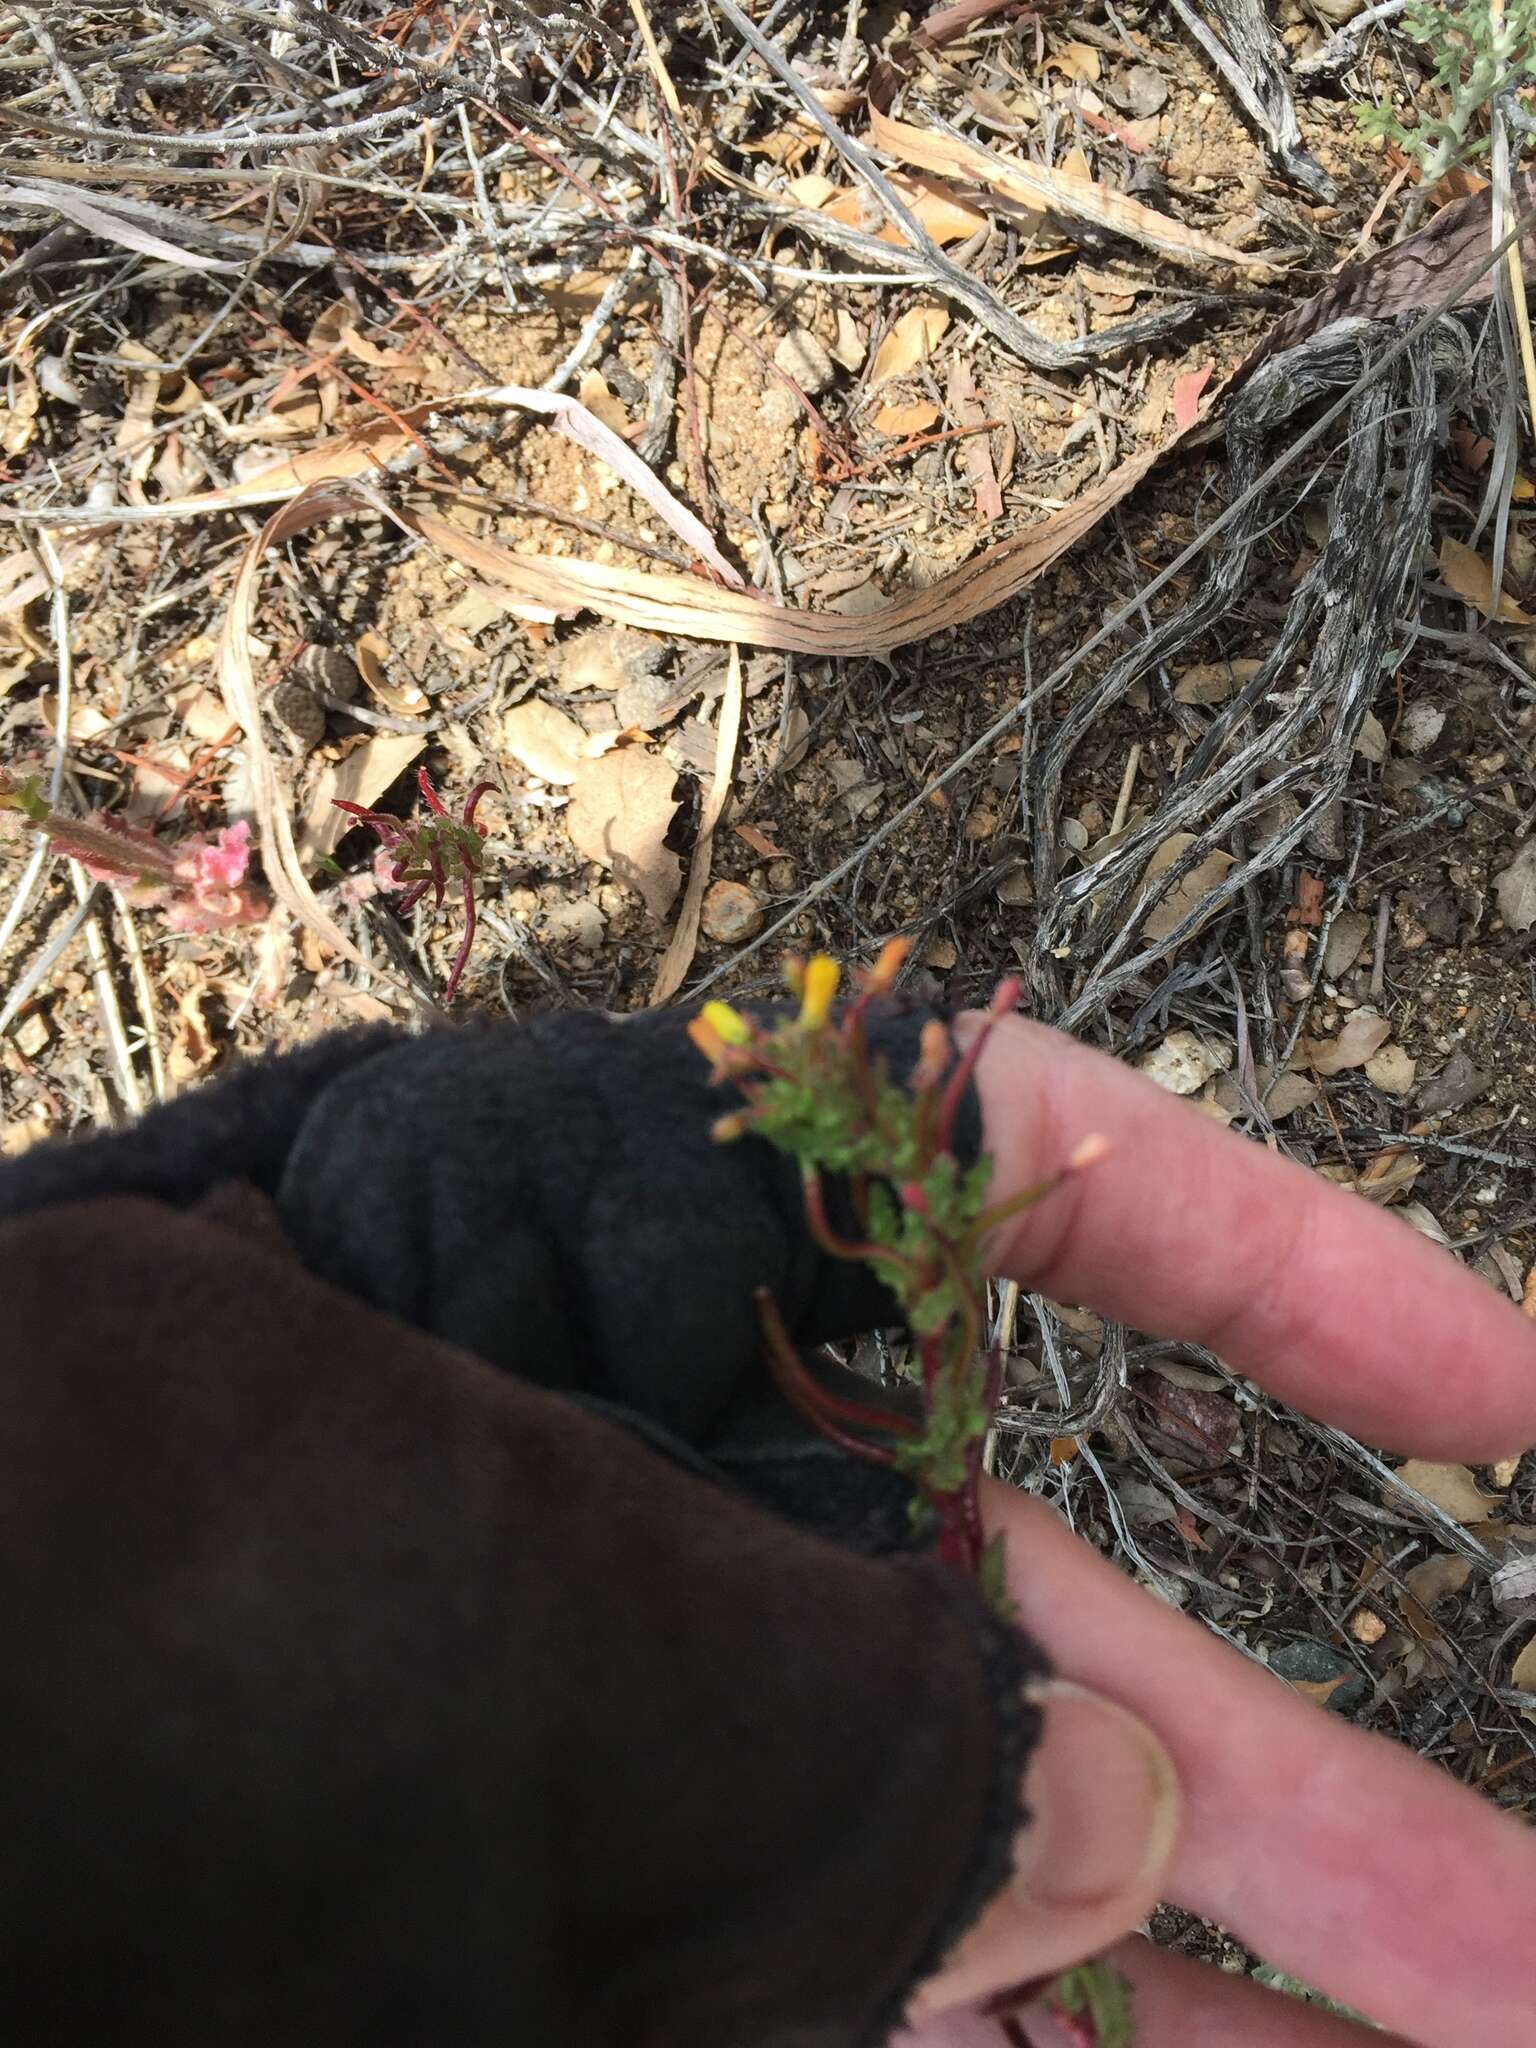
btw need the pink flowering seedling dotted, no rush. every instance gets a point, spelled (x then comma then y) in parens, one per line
(197, 884)
(421, 856)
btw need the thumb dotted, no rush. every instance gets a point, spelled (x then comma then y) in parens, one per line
(1104, 1806)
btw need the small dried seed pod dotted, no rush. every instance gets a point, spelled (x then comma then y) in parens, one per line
(299, 711)
(330, 670)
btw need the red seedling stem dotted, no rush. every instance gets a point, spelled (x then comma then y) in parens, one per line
(419, 857)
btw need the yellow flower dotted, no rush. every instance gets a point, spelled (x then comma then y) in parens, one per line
(818, 990)
(729, 1024)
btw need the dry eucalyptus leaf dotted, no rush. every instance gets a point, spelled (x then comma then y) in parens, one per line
(1346, 942)
(543, 740)
(1523, 1674)
(936, 204)
(1187, 894)
(899, 420)
(1212, 682)
(1452, 1489)
(601, 403)
(1424, 1221)
(737, 916)
(544, 588)
(1516, 889)
(1076, 60)
(1391, 1070)
(18, 419)
(939, 208)
(849, 348)
(1437, 1578)
(1290, 1093)
(621, 809)
(361, 777)
(1390, 1174)
(912, 340)
(1364, 1033)
(371, 654)
(1318, 1690)
(1371, 744)
(1472, 579)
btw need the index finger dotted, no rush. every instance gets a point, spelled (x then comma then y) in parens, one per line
(1186, 1230)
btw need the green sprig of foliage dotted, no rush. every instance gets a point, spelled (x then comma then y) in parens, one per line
(1475, 53)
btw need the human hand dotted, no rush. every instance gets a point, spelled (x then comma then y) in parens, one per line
(1343, 1859)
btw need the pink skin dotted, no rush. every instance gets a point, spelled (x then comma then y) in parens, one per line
(1337, 1855)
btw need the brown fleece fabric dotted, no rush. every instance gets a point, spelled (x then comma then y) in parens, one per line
(354, 1691)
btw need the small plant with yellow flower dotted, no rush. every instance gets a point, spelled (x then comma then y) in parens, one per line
(811, 1085)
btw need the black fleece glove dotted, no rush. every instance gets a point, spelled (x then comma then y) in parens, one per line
(360, 1692)
(546, 1194)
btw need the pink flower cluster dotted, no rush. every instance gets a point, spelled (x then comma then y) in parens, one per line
(198, 885)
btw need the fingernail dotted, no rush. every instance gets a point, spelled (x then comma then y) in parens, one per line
(1104, 1803)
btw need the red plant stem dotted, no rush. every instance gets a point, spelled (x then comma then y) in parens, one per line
(838, 1247)
(1004, 999)
(468, 939)
(803, 1393)
(856, 1043)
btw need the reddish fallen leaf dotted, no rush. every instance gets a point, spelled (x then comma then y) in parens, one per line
(1472, 578)
(1319, 1690)
(759, 842)
(1308, 907)
(1201, 1427)
(1186, 395)
(968, 410)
